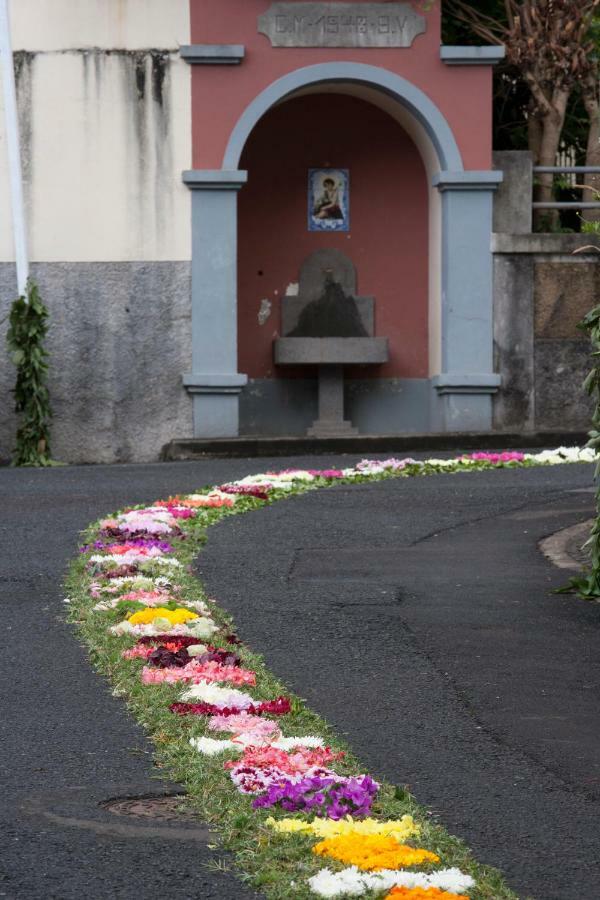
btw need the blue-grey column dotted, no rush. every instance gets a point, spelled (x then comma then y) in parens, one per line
(465, 385)
(214, 382)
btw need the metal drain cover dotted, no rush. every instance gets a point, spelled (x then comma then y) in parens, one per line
(165, 807)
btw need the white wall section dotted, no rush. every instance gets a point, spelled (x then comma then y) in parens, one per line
(108, 24)
(105, 118)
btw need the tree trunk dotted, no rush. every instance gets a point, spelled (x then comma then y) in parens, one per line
(534, 134)
(551, 127)
(592, 157)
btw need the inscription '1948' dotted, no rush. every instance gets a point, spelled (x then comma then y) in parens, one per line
(341, 24)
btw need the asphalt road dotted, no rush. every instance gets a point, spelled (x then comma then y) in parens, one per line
(416, 615)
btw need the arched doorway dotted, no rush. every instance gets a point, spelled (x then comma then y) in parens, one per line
(387, 241)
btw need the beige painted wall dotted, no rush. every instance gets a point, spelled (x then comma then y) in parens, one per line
(74, 24)
(105, 135)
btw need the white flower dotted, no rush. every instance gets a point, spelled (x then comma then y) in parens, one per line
(201, 628)
(210, 746)
(204, 692)
(288, 743)
(352, 882)
(563, 455)
(441, 463)
(326, 883)
(195, 628)
(297, 475)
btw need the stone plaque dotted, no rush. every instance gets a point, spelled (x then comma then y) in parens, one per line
(341, 24)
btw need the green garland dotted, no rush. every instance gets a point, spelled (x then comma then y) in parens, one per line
(587, 585)
(25, 337)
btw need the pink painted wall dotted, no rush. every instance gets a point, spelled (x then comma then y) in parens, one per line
(388, 241)
(221, 93)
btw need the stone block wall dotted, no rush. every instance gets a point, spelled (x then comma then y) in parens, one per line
(544, 284)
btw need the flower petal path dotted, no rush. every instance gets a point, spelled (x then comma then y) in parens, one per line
(68, 743)
(177, 522)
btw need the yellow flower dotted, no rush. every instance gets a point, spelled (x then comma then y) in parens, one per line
(289, 826)
(174, 616)
(372, 852)
(400, 829)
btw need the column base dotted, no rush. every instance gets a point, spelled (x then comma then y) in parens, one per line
(215, 403)
(322, 428)
(464, 402)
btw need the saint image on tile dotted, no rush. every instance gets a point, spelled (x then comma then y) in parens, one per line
(328, 200)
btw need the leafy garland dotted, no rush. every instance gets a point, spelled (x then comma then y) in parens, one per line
(587, 585)
(27, 330)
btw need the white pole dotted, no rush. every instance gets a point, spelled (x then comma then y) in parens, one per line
(14, 152)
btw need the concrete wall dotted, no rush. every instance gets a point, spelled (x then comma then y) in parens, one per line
(115, 367)
(105, 119)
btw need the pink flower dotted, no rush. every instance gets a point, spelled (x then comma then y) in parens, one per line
(295, 762)
(246, 724)
(495, 458)
(140, 651)
(148, 598)
(195, 672)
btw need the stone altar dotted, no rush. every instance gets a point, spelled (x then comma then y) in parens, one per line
(328, 326)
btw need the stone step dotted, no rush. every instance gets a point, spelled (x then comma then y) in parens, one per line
(392, 444)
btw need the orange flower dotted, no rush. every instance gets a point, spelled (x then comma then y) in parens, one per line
(417, 893)
(372, 852)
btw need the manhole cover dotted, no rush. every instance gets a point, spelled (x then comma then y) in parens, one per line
(164, 807)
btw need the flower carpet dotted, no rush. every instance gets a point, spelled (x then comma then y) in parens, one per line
(281, 791)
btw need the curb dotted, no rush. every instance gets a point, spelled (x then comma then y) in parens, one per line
(256, 446)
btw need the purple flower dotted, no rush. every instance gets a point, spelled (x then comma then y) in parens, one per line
(332, 796)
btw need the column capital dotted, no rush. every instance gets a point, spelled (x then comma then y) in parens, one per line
(212, 54)
(486, 180)
(468, 383)
(214, 179)
(487, 55)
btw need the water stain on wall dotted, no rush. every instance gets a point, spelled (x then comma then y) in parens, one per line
(24, 62)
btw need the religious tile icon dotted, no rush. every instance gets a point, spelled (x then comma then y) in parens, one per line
(328, 200)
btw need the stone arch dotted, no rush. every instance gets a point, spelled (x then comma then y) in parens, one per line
(431, 125)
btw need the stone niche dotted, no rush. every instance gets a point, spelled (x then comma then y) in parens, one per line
(328, 326)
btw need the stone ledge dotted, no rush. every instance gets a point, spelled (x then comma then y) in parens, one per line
(489, 55)
(256, 446)
(547, 244)
(213, 54)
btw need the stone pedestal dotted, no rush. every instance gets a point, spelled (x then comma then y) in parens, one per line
(331, 422)
(328, 326)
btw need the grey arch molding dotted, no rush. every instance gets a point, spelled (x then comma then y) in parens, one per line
(461, 388)
(408, 95)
